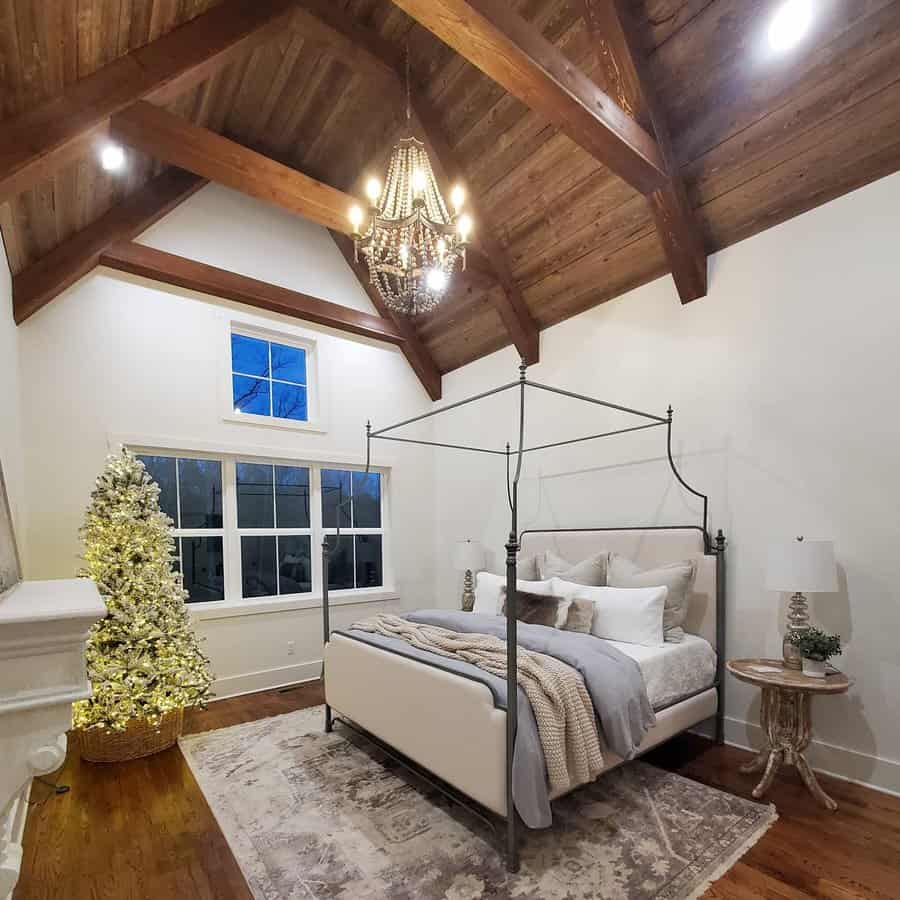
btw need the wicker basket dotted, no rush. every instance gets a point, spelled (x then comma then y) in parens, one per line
(138, 739)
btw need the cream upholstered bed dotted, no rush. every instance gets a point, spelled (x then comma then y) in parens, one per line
(450, 726)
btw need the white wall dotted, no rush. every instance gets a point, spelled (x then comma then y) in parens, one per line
(784, 383)
(117, 356)
(10, 418)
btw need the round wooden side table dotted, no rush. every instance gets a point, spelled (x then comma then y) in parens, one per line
(785, 719)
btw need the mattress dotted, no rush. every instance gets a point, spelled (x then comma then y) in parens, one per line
(674, 671)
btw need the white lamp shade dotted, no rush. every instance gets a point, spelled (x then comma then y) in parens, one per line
(804, 566)
(468, 555)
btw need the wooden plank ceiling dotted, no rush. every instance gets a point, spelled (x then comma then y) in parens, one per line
(755, 137)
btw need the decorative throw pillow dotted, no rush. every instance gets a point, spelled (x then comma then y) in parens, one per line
(490, 590)
(539, 609)
(630, 615)
(677, 577)
(590, 571)
(580, 616)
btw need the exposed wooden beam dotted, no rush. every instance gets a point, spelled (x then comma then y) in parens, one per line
(416, 352)
(511, 51)
(364, 49)
(136, 259)
(37, 285)
(168, 137)
(40, 141)
(623, 62)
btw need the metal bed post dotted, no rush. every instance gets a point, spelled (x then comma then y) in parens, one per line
(512, 663)
(720, 635)
(326, 562)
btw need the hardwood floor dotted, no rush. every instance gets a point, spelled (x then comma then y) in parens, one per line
(143, 831)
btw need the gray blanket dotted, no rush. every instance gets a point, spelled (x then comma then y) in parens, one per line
(613, 680)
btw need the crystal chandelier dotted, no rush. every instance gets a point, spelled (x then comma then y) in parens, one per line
(412, 245)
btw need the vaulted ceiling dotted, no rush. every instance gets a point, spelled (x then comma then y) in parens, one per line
(747, 138)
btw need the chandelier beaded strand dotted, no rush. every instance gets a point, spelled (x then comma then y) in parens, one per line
(411, 243)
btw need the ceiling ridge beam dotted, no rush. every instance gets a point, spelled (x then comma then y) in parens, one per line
(166, 136)
(362, 47)
(512, 52)
(62, 129)
(414, 348)
(169, 268)
(35, 286)
(623, 63)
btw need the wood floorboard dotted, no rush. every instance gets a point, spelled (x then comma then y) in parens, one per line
(143, 831)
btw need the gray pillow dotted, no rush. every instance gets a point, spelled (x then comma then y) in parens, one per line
(590, 571)
(537, 609)
(580, 616)
(677, 577)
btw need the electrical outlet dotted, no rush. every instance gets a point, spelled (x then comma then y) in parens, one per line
(291, 646)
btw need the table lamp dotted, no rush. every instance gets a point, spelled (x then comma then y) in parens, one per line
(468, 557)
(797, 566)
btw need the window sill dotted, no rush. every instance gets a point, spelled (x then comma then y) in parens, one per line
(272, 422)
(224, 609)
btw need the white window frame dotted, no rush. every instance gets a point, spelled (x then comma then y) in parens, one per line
(234, 603)
(288, 338)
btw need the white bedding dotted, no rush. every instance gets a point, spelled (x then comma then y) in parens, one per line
(673, 671)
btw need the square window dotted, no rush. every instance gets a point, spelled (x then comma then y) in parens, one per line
(163, 470)
(368, 561)
(249, 356)
(289, 401)
(292, 496)
(255, 496)
(366, 500)
(269, 379)
(251, 395)
(335, 497)
(294, 564)
(340, 563)
(258, 566)
(202, 565)
(288, 364)
(200, 493)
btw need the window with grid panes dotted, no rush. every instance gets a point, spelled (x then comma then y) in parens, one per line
(352, 500)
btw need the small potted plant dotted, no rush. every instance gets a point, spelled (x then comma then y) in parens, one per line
(817, 648)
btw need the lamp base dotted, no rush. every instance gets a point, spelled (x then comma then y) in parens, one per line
(468, 594)
(798, 621)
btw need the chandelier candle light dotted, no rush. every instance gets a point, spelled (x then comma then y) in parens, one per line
(410, 241)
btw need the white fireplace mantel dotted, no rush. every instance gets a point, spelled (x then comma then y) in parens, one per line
(43, 628)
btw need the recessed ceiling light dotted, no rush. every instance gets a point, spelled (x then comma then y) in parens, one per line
(789, 24)
(112, 157)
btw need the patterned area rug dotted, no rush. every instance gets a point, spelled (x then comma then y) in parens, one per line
(313, 815)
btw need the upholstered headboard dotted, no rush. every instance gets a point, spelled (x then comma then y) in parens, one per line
(647, 547)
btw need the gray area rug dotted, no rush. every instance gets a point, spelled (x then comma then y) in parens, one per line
(311, 816)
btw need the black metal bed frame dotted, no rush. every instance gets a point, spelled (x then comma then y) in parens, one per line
(715, 547)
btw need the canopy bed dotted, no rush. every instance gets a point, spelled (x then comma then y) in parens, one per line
(452, 724)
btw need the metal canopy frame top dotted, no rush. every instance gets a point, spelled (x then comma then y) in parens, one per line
(512, 545)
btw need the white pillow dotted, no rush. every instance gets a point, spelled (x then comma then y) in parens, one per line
(630, 615)
(489, 593)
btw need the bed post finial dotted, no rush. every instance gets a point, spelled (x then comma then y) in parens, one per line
(669, 412)
(523, 366)
(720, 540)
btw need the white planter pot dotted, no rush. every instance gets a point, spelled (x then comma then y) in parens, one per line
(814, 668)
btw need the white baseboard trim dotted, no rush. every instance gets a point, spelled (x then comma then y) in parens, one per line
(251, 682)
(839, 762)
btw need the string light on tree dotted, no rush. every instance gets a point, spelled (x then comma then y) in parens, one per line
(143, 659)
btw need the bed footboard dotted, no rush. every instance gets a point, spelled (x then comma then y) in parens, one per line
(445, 723)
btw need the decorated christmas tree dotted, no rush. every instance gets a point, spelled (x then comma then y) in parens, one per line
(143, 659)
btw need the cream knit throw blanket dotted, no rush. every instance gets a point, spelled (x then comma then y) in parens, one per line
(562, 706)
